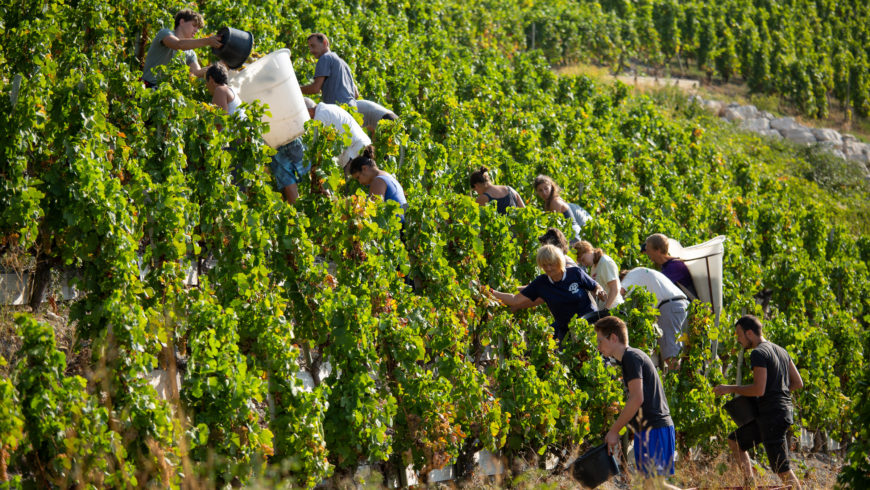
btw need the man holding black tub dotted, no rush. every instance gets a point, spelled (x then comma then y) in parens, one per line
(775, 377)
(646, 408)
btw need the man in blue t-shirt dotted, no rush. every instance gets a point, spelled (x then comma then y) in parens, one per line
(332, 77)
(774, 378)
(646, 408)
(563, 289)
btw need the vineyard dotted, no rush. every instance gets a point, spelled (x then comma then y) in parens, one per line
(809, 52)
(126, 189)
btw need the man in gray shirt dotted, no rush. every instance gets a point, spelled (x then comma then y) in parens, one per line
(166, 43)
(332, 77)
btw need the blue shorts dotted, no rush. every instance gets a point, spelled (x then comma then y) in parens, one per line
(654, 450)
(288, 165)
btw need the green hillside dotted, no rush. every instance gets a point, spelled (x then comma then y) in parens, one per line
(100, 175)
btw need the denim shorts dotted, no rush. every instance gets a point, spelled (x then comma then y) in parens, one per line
(289, 165)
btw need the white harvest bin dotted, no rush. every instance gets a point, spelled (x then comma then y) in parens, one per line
(704, 262)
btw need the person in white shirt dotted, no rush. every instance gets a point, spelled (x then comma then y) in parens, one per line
(671, 303)
(604, 270)
(335, 116)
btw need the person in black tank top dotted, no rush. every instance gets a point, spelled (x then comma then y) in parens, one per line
(774, 378)
(504, 196)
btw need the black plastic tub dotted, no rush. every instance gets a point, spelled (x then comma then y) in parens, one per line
(594, 316)
(235, 47)
(742, 409)
(595, 467)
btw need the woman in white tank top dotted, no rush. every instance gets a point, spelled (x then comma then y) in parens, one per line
(221, 94)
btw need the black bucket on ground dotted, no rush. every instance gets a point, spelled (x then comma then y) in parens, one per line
(595, 467)
(235, 47)
(742, 409)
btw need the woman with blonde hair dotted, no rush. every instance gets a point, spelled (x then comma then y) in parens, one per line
(550, 193)
(562, 288)
(603, 269)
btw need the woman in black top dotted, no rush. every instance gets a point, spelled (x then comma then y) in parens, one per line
(505, 196)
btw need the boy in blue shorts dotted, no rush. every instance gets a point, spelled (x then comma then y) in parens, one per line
(646, 409)
(288, 166)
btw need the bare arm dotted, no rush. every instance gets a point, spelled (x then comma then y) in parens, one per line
(313, 87)
(755, 389)
(221, 97)
(482, 200)
(632, 405)
(794, 376)
(519, 200)
(510, 299)
(525, 302)
(171, 41)
(196, 70)
(378, 188)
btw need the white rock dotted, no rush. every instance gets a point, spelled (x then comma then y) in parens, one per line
(489, 463)
(713, 106)
(784, 124)
(799, 135)
(851, 148)
(443, 474)
(51, 316)
(860, 157)
(848, 137)
(14, 289)
(827, 135)
(771, 133)
(732, 114)
(748, 111)
(838, 154)
(758, 124)
(767, 115)
(160, 380)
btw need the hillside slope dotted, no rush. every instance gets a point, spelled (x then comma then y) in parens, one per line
(128, 187)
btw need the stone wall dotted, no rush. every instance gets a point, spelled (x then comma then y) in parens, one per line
(748, 117)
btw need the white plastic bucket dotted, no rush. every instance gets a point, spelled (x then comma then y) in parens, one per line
(704, 262)
(272, 81)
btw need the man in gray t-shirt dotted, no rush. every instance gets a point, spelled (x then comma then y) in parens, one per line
(167, 42)
(332, 77)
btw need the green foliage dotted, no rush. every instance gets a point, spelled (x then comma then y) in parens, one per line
(856, 471)
(640, 315)
(696, 411)
(131, 187)
(67, 429)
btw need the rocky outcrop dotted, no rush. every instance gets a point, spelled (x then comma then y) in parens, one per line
(748, 117)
